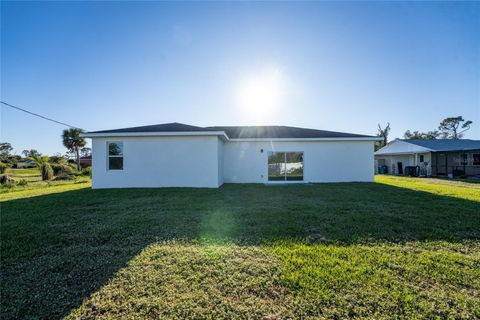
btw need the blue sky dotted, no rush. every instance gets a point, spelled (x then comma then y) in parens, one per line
(334, 66)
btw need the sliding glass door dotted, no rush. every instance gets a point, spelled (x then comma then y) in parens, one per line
(285, 166)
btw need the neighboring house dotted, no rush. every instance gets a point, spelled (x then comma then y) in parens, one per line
(86, 161)
(25, 164)
(179, 155)
(440, 157)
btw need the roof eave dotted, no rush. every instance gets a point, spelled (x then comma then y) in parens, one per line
(221, 134)
(457, 150)
(400, 153)
(311, 139)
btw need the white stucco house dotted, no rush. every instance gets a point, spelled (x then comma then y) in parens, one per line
(438, 157)
(180, 155)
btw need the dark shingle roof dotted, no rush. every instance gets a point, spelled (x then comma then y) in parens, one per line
(165, 127)
(241, 132)
(447, 144)
(278, 132)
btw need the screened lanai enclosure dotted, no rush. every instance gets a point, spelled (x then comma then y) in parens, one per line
(460, 163)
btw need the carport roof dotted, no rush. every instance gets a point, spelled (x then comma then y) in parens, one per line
(447, 144)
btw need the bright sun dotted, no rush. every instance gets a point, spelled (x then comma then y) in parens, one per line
(261, 95)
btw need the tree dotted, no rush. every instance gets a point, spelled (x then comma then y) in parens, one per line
(57, 159)
(384, 134)
(47, 171)
(85, 152)
(417, 135)
(5, 149)
(39, 160)
(31, 153)
(74, 142)
(451, 128)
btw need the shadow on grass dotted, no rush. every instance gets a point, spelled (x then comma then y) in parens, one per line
(58, 249)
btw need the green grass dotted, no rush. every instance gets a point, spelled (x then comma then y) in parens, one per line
(43, 188)
(30, 175)
(22, 172)
(36, 187)
(398, 248)
(458, 189)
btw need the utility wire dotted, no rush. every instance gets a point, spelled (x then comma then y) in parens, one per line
(38, 115)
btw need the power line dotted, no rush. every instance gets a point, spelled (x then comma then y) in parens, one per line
(37, 115)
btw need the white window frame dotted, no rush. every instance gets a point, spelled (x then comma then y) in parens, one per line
(115, 156)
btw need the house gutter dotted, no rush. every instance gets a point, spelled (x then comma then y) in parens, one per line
(403, 153)
(311, 139)
(222, 134)
(426, 150)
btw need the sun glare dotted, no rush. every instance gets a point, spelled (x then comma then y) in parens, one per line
(261, 94)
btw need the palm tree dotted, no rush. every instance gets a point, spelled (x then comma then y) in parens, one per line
(39, 160)
(383, 133)
(74, 142)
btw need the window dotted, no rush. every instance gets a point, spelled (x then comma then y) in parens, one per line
(464, 159)
(476, 159)
(285, 166)
(421, 158)
(115, 155)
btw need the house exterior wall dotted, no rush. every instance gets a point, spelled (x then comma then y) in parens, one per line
(324, 161)
(174, 161)
(220, 161)
(391, 161)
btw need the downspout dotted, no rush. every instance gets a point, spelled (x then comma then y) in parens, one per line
(446, 164)
(430, 170)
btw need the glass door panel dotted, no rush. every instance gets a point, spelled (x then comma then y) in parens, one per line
(276, 166)
(294, 166)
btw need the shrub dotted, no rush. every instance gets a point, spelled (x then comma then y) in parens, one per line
(74, 171)
(64, 177)
(59, 169)
(22, 182)
(3, 167)
(8, 185)
(87, 171)
(7, 180)
(47, 171)
(67, 170)
(57, 159)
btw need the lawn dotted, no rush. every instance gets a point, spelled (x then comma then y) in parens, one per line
(397, 248)
(35, 186)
